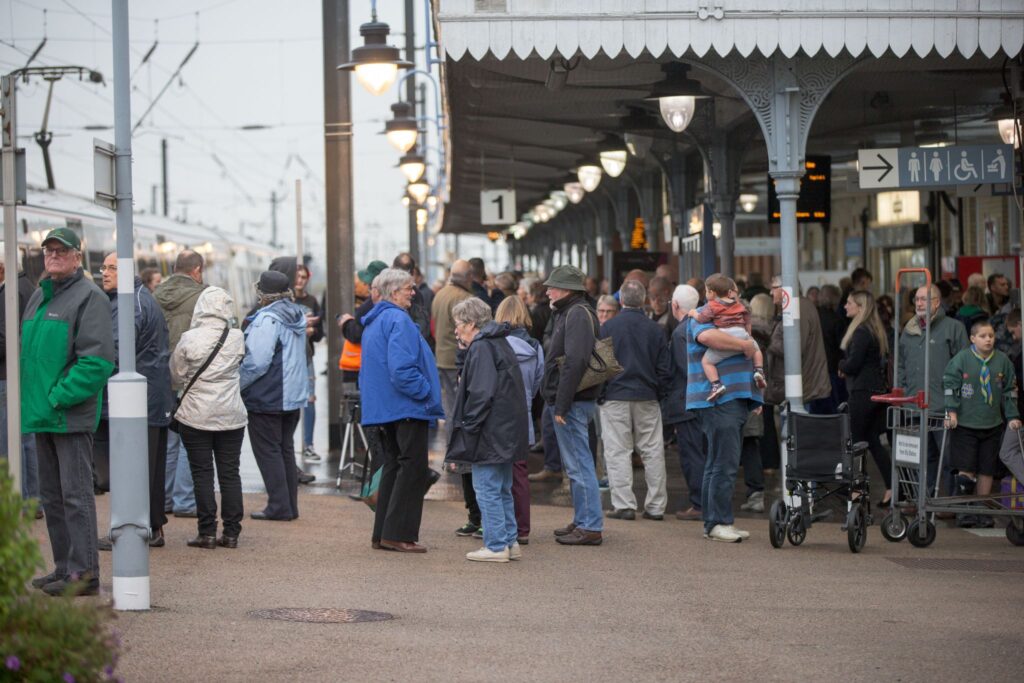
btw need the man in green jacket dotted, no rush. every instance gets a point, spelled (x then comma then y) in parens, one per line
(67, 354)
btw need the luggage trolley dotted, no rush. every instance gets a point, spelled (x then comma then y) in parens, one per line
(911, 423)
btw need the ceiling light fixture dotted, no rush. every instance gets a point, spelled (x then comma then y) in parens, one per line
(589, 176)
(418, 191)
(748, 202)
(574, 192)
(677, 96)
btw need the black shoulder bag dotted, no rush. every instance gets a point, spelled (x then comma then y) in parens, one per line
(174, 425)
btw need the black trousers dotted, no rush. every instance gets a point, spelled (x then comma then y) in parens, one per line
(469, 495)
(157, 476)
(867, 423)
(225, 448)
(403, 481)
(770, 457)
(272, 436)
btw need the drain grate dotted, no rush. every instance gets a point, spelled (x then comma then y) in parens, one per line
(959, 565)
(314, 615)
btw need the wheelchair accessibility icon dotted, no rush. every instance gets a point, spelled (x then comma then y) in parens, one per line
(965, 170)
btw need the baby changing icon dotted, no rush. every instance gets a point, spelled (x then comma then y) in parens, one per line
(997, 166)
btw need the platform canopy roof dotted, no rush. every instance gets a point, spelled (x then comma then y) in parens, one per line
(928, 70)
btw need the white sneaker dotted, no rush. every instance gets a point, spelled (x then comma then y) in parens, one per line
(310, 455)
(739, 532)
(487, 555)
(515, 551)
(755, 503)
(723, 533)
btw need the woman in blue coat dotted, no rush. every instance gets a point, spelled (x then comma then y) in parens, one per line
(401, 393)
(274, 388)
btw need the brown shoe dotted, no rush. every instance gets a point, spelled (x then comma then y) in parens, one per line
(565, 530)
(546, 475)
(690, 515)
(402, 546)
(580, 537)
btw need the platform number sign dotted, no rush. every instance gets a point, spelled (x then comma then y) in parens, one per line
(497, 207)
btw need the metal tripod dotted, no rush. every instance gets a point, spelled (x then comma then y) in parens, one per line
(350, 415)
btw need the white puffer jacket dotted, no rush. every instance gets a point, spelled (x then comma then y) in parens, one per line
(214, 403)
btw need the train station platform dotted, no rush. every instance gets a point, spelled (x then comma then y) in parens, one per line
(656, 602)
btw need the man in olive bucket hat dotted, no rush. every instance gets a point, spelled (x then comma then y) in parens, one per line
(575, 330)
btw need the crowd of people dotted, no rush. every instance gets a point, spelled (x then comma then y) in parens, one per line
(601, 382)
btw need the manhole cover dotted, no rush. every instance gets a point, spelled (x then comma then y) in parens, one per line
(312, 615)
(957, 565)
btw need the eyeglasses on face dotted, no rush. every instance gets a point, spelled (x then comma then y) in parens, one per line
(112, 268)
(57, 251)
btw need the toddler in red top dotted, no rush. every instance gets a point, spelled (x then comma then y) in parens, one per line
(731, 316)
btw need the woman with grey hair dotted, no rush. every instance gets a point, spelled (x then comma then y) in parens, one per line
(401, 393)
(607, 308)
(487, 438)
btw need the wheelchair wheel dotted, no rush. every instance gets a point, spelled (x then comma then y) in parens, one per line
(856, 528)
(777, 523)
(796, 531)
(915, 539)
(894, 527)
(1014, 531)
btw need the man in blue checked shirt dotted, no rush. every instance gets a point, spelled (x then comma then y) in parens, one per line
(722, 421)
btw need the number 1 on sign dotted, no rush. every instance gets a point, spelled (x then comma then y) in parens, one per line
(500, 201)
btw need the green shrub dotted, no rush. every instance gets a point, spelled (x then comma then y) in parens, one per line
(43, 638)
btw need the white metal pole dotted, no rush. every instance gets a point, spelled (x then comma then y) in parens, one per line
(12, 322)
(298, 264)
(129, 468)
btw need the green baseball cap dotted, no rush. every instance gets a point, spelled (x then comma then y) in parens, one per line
(65, 236)
(567, 277)
(371, 271)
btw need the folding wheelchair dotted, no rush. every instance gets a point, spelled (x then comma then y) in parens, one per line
(822, 462)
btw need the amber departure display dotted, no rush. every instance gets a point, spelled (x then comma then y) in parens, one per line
(815, 202)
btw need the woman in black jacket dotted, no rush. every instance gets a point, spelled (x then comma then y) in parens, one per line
(489, 425)
(865, 347)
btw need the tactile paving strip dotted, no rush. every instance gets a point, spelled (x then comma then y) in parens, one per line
(314, 615)
(959, 565)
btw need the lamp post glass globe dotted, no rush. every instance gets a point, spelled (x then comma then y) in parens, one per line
(574, 192)
(376, 78)
(589, 176)
(412, 169)
(748, 202)
(1008, 132)
(614, 162)
(419, 191)
(402, 140)
(677, 111)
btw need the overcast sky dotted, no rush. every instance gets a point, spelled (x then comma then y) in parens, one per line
(258, 62)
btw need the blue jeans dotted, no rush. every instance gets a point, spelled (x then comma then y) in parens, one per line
(29, 460)
(493, 487)
(574, 446)
(179, 490)
(723, 426)
(309, 414)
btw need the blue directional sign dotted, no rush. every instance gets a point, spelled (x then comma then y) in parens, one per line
(913, 167)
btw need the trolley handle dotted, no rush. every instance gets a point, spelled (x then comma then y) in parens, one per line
(897, 398)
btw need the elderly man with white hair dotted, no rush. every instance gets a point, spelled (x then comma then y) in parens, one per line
(686, 423)
(722, 421)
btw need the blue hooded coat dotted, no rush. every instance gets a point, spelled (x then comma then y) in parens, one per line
(398, 377)
(273, 372)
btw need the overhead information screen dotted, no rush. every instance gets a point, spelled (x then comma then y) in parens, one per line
(815, 202)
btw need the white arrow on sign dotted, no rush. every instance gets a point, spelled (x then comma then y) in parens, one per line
(878, 167)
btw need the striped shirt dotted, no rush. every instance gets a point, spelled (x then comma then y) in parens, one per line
(736, 372)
